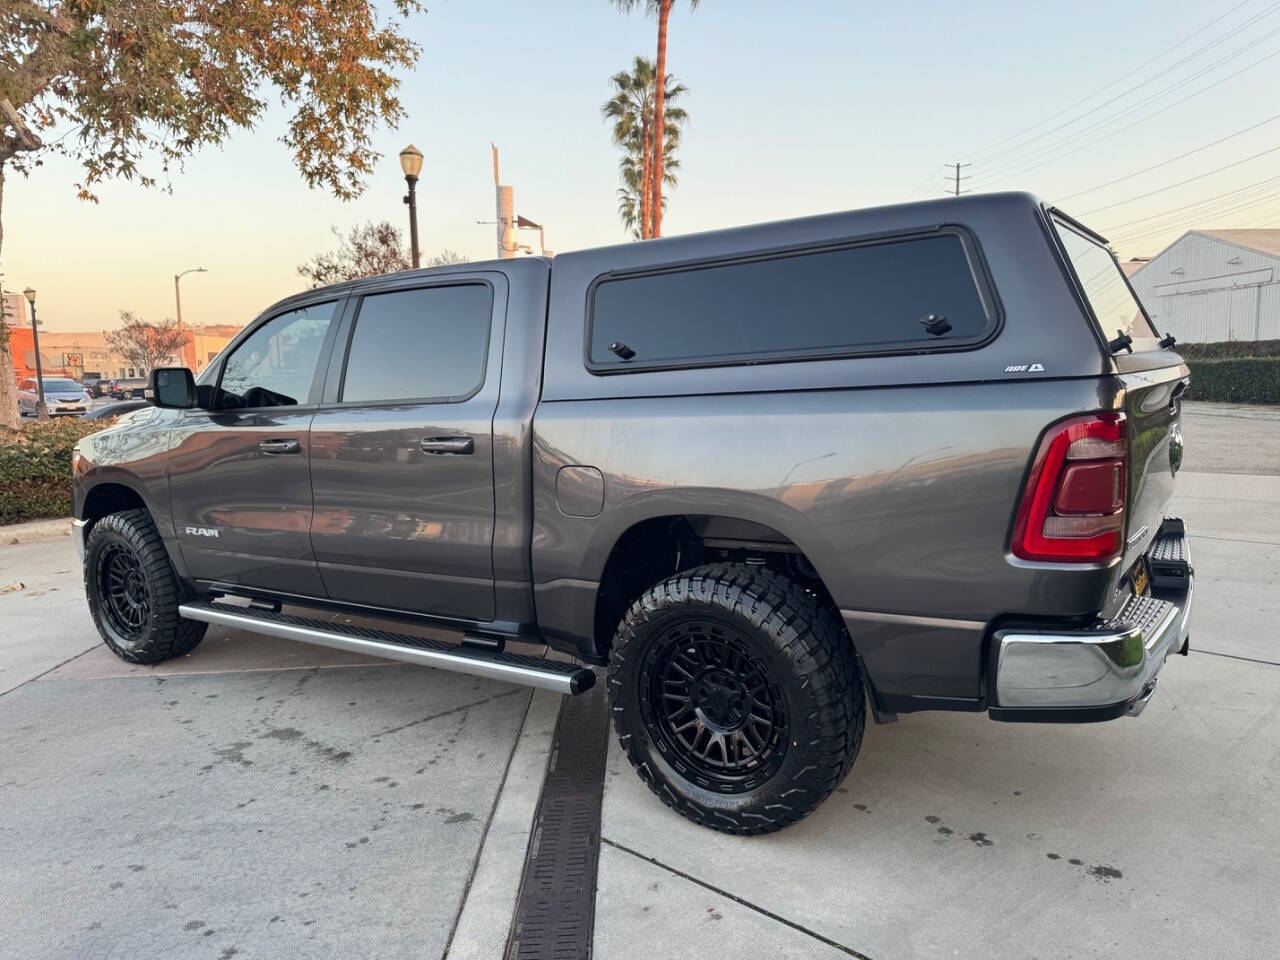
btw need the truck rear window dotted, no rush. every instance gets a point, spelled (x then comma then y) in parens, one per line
(867, 298)
(1114, 305)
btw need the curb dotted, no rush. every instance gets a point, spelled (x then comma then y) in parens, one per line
(11, 533)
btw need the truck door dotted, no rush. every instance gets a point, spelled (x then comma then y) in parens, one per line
(238, 476)
(402, 449)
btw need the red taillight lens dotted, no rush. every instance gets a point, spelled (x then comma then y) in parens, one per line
(1073, 506)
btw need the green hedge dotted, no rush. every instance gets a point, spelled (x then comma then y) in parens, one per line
(1235, 380)
(1229, 348)
(35, 467)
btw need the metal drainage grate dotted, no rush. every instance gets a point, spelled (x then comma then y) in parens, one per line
(555, 910)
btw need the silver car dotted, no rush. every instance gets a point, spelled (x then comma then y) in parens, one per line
(63, 397)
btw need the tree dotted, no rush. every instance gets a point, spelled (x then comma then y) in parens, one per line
(663, 9)
(369, 250)
(138, 86)
(631, 109)
(147, 345)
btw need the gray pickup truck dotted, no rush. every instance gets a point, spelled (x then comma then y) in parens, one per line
(908, 458)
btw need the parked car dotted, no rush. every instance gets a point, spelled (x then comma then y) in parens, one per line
(63, 397)
(93, 384)
(909, 458)
(121, 389)
(118, 409)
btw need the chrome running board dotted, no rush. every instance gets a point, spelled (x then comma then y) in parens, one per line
(493, 664)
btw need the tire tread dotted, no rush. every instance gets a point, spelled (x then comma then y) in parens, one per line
(171, 636)
(822, 658)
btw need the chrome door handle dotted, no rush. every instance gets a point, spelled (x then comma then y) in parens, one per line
(453, 445)
(280, 446)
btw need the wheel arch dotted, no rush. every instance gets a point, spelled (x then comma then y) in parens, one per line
(113, 491)
(107, 497)
(653, 548)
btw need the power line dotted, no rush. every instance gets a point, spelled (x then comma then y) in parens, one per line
(1208, 201)
(924, 184)
(1182, 222)
(1137, 69)
(1165, 163)
(1012, 170)
(1201, 176)
(1005, 167)
(1120, 96)
(1275, 217)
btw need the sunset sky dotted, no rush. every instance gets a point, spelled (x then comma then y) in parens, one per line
(796, 108)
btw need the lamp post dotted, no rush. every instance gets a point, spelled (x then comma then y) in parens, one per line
(411, 164)
(42, 411)
(177, 296)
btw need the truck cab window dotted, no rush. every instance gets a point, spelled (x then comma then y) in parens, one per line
(276, 365)
(424, 344)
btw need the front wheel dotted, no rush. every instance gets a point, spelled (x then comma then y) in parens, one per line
(133, 592)
(736, 697)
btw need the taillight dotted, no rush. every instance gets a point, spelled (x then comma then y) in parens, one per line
(1073, 506)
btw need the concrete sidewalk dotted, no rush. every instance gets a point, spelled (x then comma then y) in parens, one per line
(259, 798)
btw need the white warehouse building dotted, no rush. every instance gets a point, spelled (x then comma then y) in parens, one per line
(1211, 285)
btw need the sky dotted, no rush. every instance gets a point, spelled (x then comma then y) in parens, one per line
(795, 108)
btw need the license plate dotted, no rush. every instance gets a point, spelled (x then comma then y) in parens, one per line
(1139, 578)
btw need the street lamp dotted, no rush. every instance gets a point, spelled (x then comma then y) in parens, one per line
(41, 411)
(411, 164)
(177, 292)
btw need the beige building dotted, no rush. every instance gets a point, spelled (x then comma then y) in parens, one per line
(207, 342)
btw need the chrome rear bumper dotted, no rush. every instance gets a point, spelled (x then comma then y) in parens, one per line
(1104, 671)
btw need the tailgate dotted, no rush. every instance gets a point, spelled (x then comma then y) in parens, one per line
(1153, 407)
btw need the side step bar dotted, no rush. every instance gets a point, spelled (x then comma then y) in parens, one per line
(551, 675)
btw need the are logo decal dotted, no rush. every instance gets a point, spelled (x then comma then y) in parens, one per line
(1024, 368)
(204, 532)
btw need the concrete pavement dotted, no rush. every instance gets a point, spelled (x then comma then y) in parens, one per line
(265, 799)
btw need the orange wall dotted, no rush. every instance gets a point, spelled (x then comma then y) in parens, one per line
(20, 344)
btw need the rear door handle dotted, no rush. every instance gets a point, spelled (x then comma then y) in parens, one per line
(280, 446)
(453, 445)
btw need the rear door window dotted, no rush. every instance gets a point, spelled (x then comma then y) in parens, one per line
(1114, 305)
(425, 344)
(867, 298)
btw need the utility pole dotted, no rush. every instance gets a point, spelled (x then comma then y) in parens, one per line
(958, 178)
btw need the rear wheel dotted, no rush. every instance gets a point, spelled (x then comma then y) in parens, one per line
(134, 593)
(736, 697)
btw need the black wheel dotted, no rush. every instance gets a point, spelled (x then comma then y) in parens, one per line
(736, 697)
(134, 593)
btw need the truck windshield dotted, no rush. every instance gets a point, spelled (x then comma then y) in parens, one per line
(1105, 287)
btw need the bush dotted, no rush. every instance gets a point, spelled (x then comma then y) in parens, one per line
(1235, 380)
(1229, 348)
(35, 467)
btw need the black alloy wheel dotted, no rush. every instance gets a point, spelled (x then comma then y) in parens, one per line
(715, 704)
(133, 591)
(126, 597)
(736, 696)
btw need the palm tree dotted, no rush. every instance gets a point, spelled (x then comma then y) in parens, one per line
(631, 109)
(663, 9)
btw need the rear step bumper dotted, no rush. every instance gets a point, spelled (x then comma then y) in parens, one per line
(1107, 670)
(491, 663)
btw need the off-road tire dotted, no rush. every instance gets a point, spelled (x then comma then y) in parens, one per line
(162, 634)
(812, 660)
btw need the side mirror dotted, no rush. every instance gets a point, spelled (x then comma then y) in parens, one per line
(172, 387)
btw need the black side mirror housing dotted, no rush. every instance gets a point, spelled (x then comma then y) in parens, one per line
(172, 387)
